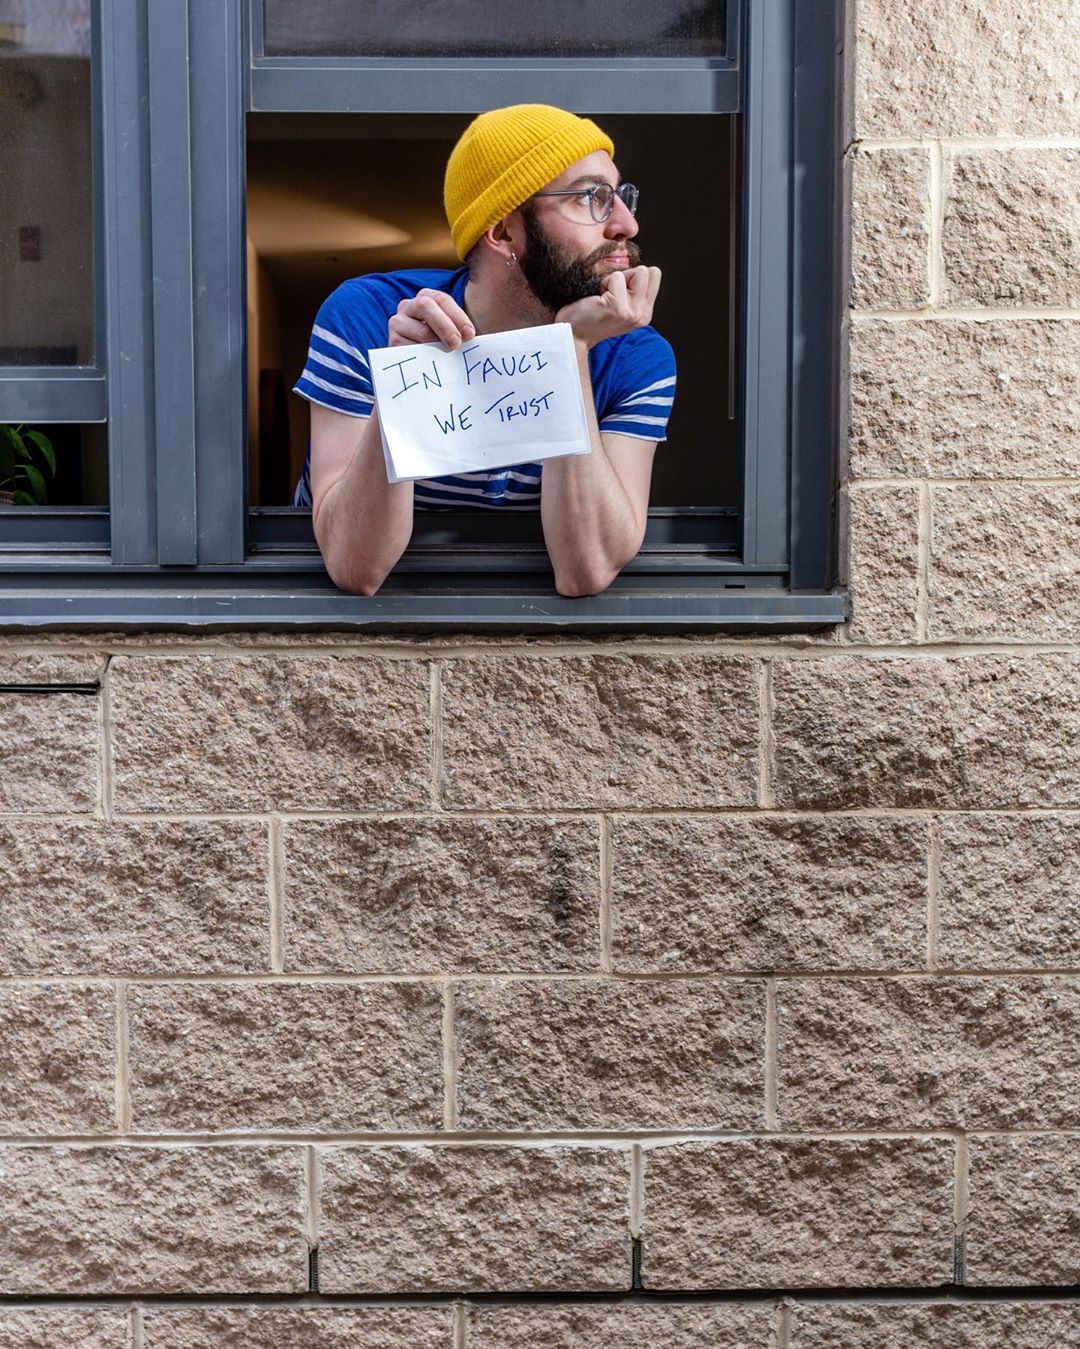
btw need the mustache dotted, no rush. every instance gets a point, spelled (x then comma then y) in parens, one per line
(632, 251)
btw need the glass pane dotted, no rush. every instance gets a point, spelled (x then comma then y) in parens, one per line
(46, 210)
(64, 464)
(476, 28)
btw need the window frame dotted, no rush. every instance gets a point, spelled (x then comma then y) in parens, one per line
(178, 545)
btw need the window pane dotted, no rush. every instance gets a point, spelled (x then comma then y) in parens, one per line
(46, 211)
(476, 28)
(62, 464)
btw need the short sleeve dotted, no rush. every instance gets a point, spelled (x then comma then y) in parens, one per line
(643, 388)
(336, 373)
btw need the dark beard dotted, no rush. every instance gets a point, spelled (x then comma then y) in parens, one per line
(557, 282)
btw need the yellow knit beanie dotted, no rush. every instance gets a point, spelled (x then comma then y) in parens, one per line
(506, 155)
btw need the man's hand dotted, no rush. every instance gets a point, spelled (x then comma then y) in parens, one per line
(625, 303)
(430, 316)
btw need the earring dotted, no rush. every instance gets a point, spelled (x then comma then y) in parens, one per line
(511, 259)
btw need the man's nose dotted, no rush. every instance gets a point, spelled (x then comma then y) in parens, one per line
(620, 224)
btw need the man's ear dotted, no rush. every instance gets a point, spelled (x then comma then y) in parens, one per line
(506, 237)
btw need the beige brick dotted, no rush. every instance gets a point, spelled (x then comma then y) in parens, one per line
(935, 1325)
(57, 1059)
(1003, 563)
(135, 897)
(65, 1328)
(601, 731)
(805, 1213)
(51, 667)
(883, 563)
(49, 748)
(1011, 232)
(912, 1054)
(216, 733)
(1008, 888)
(633, 1326)
(469, 1219)
(297, 1328)
(966, 68)
(965, 399)
(137, 1220)
(768, 894)
(429, 895)
(586, 1054)
(285, 1056)
(890, 228)
(930, 731)
(1023, 1224)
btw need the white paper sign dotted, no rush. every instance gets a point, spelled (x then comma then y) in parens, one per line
(502, 399)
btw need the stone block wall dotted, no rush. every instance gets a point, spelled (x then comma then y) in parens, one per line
(713, 992)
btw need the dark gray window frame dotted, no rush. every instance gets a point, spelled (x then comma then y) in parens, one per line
(178, 546)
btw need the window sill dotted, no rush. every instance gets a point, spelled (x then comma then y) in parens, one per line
(217, 600)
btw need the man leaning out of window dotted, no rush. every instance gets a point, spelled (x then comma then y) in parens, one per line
(546, 230)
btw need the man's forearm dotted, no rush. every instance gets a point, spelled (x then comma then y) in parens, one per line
(589, 522)
(362, 522)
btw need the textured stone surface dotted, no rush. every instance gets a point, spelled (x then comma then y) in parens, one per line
(600, 731)
(469, 1219)
(49, 667)
(967, 731)
(935, 1325)
(965, 399)
(890, 228)
(1008, 891)
(586, 1054)
(152, 1220)
(1004, 563)
(967, 1053)
(883, 563)
(285, 1056)
(798, 1214)
(57, 1059)
(681, 1326)
(270, 733)
(1023, 1224)
(966, 67)
(297, 1328)
(746, 894)
(135, 897)
(65, 1328)
(1011, 232)
(428, 895)
(49, 746)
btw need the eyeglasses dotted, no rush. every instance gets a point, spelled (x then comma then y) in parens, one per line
(601, 198)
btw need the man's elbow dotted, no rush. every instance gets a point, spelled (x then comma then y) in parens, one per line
(585, 580)
(355, 578)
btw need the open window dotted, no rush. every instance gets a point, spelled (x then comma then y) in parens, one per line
(248, 158)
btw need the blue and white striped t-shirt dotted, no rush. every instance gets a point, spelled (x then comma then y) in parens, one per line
(633, 379)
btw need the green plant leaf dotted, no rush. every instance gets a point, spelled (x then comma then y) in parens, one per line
(25, 499)
(44, 444)
(37, 482)
(9, 439)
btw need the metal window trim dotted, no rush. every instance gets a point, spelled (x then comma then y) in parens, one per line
(395, 85)
(820, 279)
(52, 394)
(150, 602)
(125, 174)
